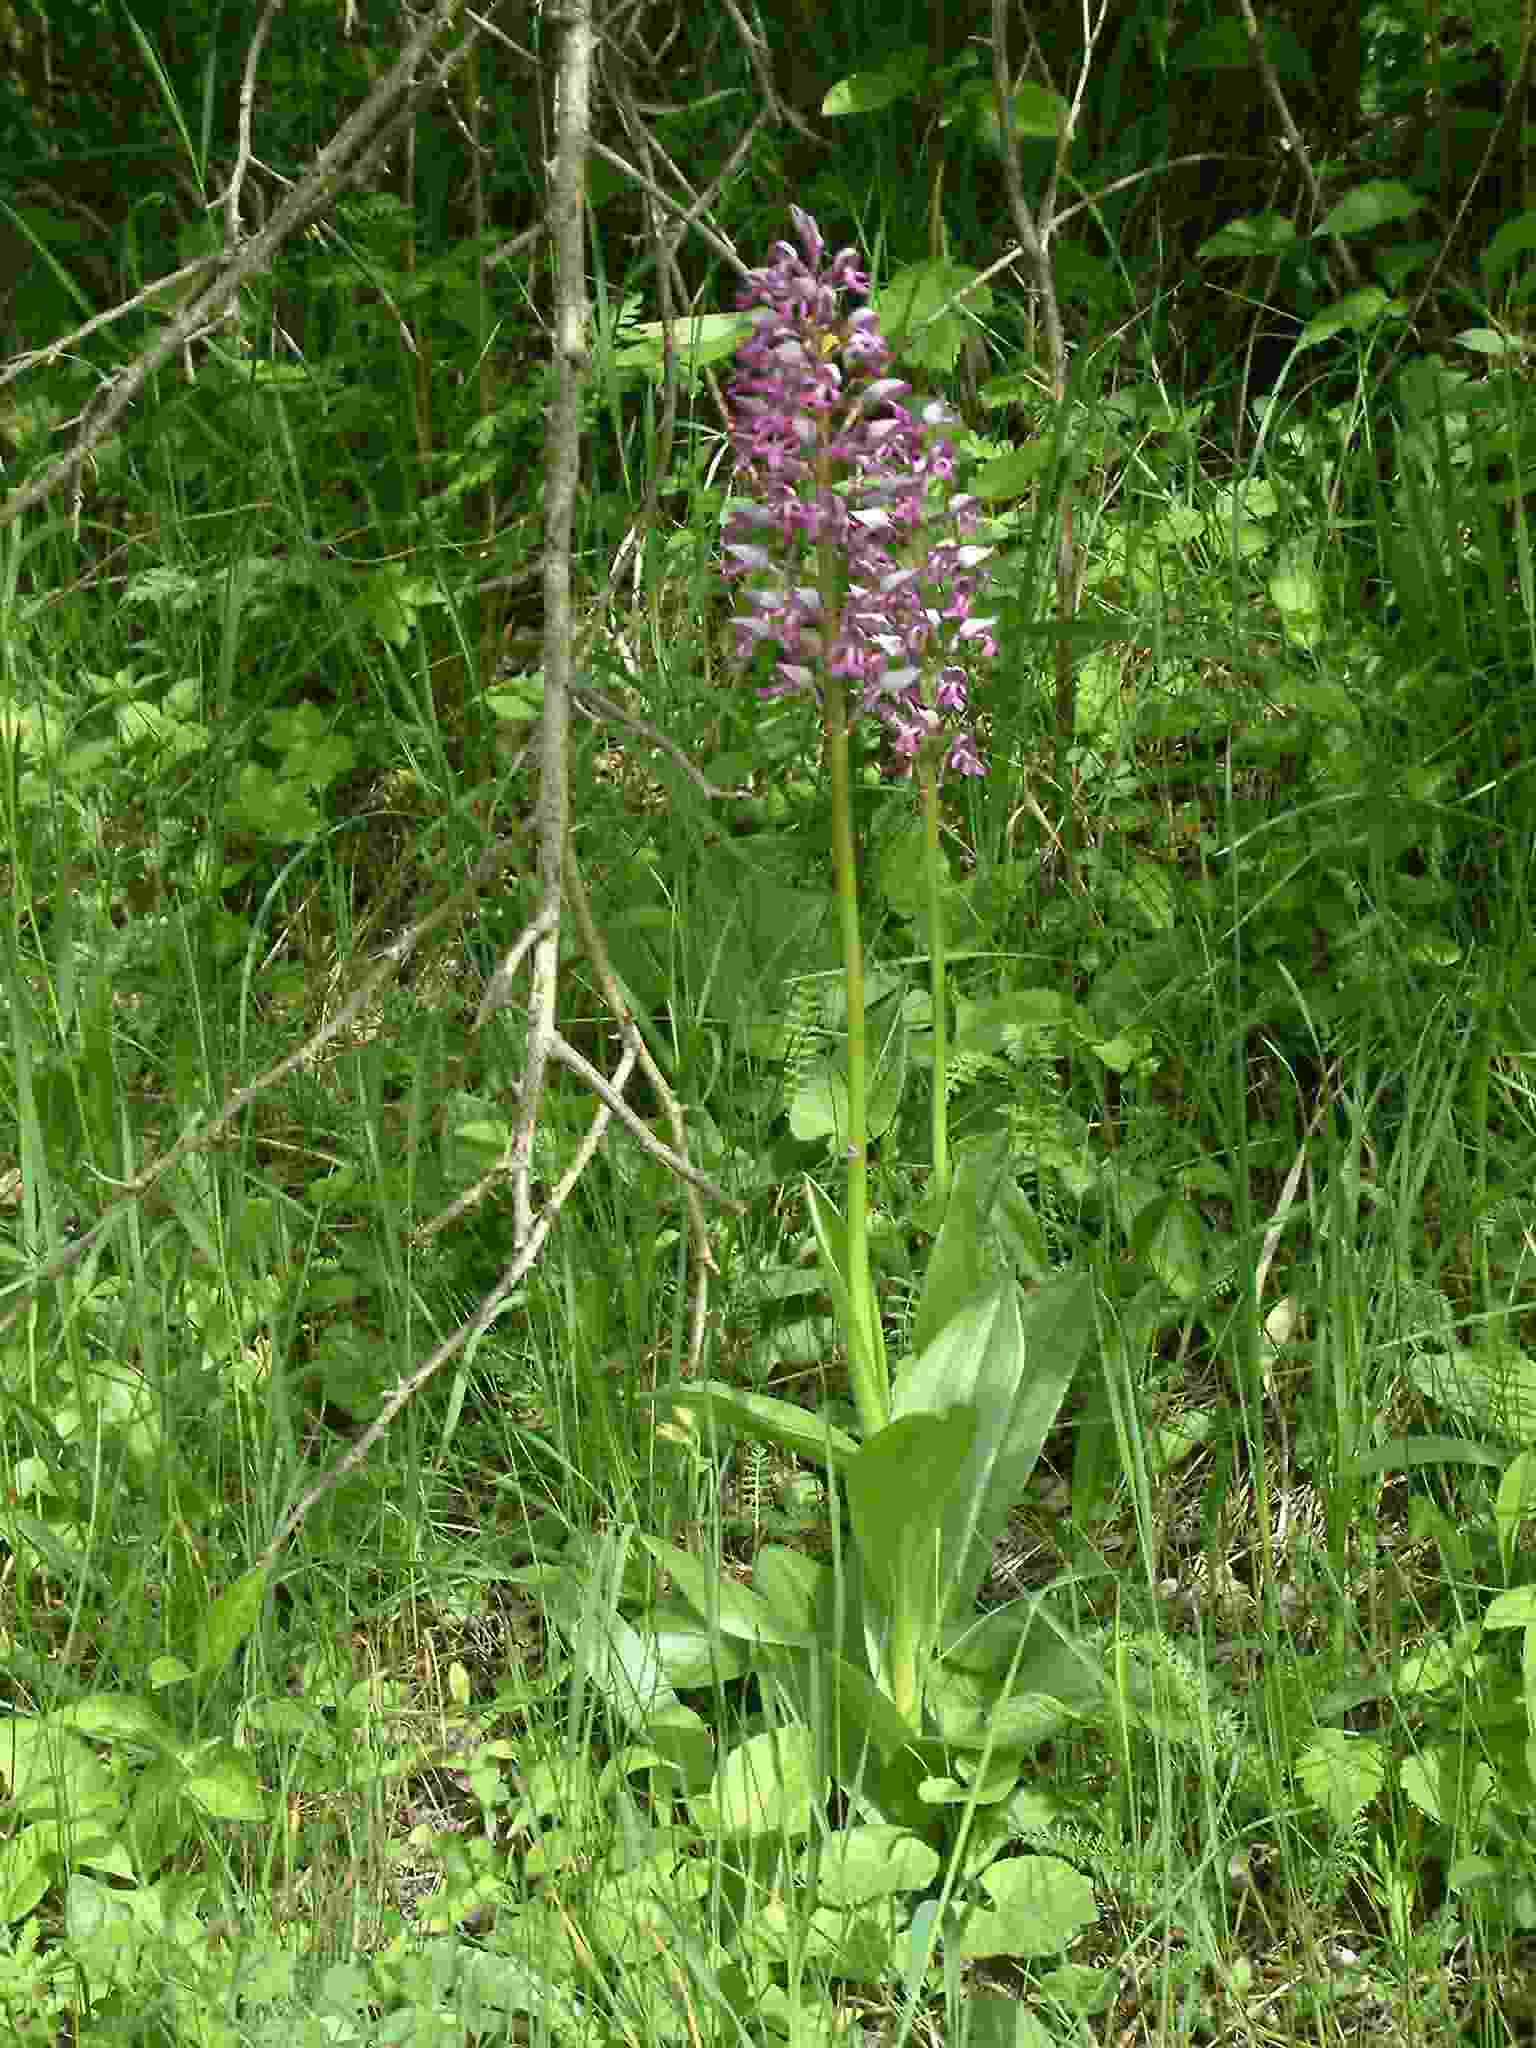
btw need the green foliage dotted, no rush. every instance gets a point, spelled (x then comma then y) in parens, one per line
(1184, 1608)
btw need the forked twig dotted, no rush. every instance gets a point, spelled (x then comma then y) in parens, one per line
(233, 226)
(336, 163)
(596, 704)
(559, 875)
(466, 1333)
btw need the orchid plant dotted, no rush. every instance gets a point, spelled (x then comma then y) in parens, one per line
(855, 558)
(853, 554)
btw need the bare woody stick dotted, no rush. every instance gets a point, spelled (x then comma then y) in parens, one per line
(562, 469)
(336, 164)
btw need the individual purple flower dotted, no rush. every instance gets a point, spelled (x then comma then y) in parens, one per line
(828, 454)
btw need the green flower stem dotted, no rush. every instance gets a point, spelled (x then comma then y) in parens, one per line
(866, 1351)
(866, 1348)
(934, 871)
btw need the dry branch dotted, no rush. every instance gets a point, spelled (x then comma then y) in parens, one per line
(562, 468)
(355, 144)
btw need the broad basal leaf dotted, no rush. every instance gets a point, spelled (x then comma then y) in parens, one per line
(963, 1261)
(898, 1489)
(228, 1620)
(768, 1785)
(1010, 1358)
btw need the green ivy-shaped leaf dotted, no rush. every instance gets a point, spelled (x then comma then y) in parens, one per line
(1039, 115)
(1350, 315)
(1039, 1907)
(858, 1864)
(1258, 234)
(1224, 46)
(221, 1781)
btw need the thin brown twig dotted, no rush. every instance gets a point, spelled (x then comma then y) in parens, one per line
(1293, 135)
(233, 226)
(716, 240)
(595, 704)
(1092, 30)
(40, 358)
(1035, 236)
(703, 1258)
(564, 1054)
(562, 470)
(1512, 102)
(757, 56)
(467, 1333)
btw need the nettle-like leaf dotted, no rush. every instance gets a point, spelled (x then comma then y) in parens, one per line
(1491, 1385)
(1352, 314)
(1261, 234)
(220, 1781)
(1448, 1785)
(912, 306)
(26, 1871)
(1375, 204)
(1342, 1773)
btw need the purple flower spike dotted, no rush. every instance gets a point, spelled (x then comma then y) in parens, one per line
(828, 454)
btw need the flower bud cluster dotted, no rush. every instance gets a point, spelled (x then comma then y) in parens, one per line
(830, 455)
